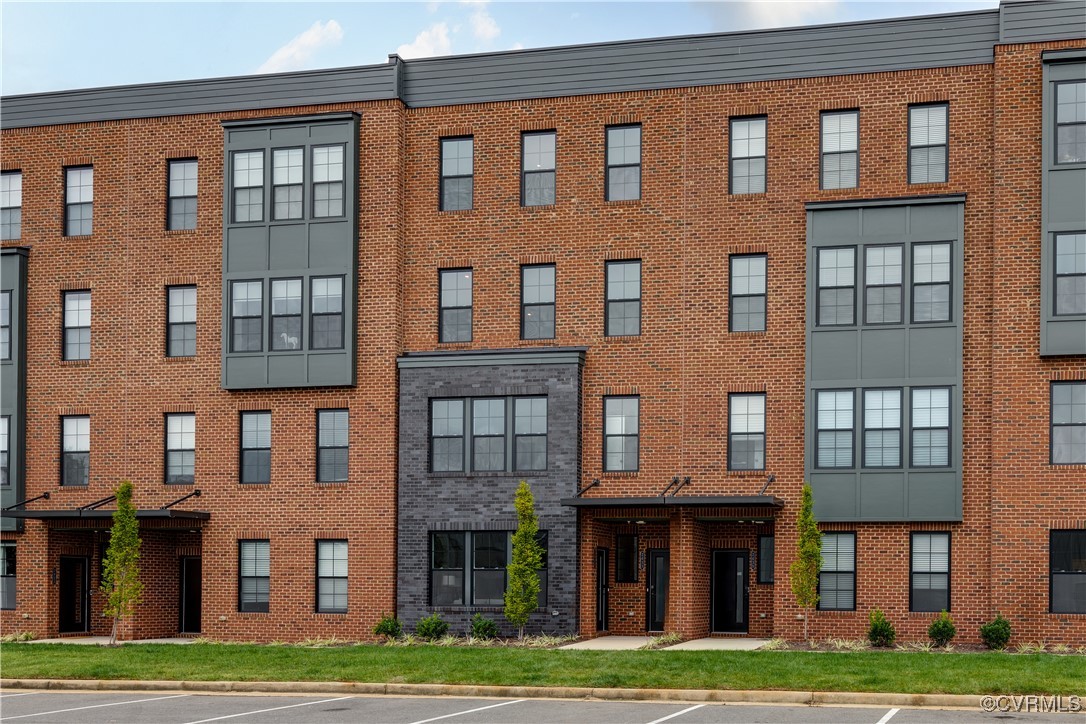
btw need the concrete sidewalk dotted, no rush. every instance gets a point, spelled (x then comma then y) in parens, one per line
(104, 641)
(610, 643)
(717, 643)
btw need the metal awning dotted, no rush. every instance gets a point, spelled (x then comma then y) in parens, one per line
(699, 501)
(95, 514)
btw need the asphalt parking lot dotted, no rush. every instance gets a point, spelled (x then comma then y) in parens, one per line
(180, 708)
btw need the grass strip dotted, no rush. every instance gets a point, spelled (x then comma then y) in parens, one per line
(868, 671)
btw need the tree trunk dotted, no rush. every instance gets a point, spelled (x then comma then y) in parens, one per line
(805, 636)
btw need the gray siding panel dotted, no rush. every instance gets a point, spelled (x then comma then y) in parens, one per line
(1034, 21)
(13, 276)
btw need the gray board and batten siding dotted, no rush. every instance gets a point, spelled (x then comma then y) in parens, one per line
(13, 275)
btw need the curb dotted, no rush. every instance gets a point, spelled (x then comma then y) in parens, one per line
(715, 696)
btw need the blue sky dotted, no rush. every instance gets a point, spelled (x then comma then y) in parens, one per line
(54, 46)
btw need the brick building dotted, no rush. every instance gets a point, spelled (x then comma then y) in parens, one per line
(326, 321)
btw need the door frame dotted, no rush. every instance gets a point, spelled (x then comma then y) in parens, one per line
(653, 554)
(85, 592)
(713, 574)
(181, 607)
(603, 588)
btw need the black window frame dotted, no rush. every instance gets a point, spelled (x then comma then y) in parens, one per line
(1053, 573)
(1056, 275)
(66, 328)
(636, 436)
(464, 462)
(732, 296)
(819, 430)
(257, 606)
(463, 568)
(171, 197)
(626, 571)
(273, 345)
(504, 537)
(314, 184)
(14, 212)
(949, 427)
(5, 451)
(469, 568)
(913, 607)
(314, 315)
(441, 308)
(166, 449)
(502, 405)
(245, 451)
(607, 165)
(1052, 424)
(525, 173)
(319, 579)
(733, 434)
(732, 158)
(864, 429)
(607, 300)
(5, 324)
(442, 177)
(70, 205)
(183, 326)
(914, 285)
(538, 306)
(234, 188)
(945, 145)
(900, 286)
(763, 578)
(467, 436)
(518, 436)
(321, 448)
(65, 454)
(300, 186)
(822, 152)
(819, 287)
(838, 572)
(1057, 125)
(234, 317)
(9, 573)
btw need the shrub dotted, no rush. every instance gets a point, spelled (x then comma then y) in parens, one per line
(483, 628)
(389, 626)
(432, 627)
(942, 629)
(996, 634)
(881, 631)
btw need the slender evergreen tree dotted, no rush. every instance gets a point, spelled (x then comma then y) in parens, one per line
(805, 569)
(522, 595)
(121, 578)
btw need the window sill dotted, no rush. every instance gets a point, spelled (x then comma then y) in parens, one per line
(457, 212)
(760, 473)
(487, 474)
(622, 338)
(454, 345)
(927, 184)
(549, 341)
(467, 609)
(178, 360)
(748, 333)
(538, 207)
(752, 196)
(254, 614)
(620, 473)
(180, 232)
(329, 483)
(837, 614)
(75, 363)
(624, 202)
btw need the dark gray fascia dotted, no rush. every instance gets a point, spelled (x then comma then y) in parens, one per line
(493, 358)
(897, 201)
(291, 120)
(660, 501)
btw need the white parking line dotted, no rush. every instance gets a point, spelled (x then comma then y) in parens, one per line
(678, 713)
(275, 708)
(94, 706)
(469, 711)
(27, 693)
(888, 716)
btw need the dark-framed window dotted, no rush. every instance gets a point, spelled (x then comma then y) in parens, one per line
(286, 314)
(530, 433)
(11, 205)
(623, 308)
(328, 181)
(837, 579)
(333, 441)
(488, 433)
(181, 192)
(254, 575)
(77, 325)
(246, 316)
(537, 285)
(446, 435)
(835, 427)
(457, 173)
(882, 428)
(746, 431)
(883, 267)
(5, 325)
(747, 141)
(5, 449)
(470, 567)
(7, 575)
(1070, 269)
(621, 433)
(247, 187)
(623, 163)
(255, 453)
(931, 282)
(180, 448)
(331, 576)
(447, 569)
(836, 286)
(1067, 571)
(766, 559)
(288, 183)
(78, 200)
(1071, 122)
(537, 163)
(490, 557)
(454, 318)
(747, 289)
(929, 131)
(930, 427)
(840, 149)
(75, 450)
(1068, 423)
(326, 313)
(929, 573)
(626, 555)
(181, 321)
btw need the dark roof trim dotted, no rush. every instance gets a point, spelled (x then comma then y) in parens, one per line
(492, 358)
(69, 514)
(699, 501)
(900, 201)
(292, 120)
(1072, 54)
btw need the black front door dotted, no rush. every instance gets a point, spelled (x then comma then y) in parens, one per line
(191, 586)
(657, 593)
(74, 599)
(729, 590)
(602, 573)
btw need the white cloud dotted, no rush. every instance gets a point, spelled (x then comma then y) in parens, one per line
(296, 54)
(517, 46)
(483, 25)
(784, 13)
(430, 42)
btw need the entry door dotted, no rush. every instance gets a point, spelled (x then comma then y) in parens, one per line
(191, 587)
(74, 609)
(602, 588)
(730, 591)
(657, 593)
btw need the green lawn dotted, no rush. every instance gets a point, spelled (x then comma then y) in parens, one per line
(989, 673)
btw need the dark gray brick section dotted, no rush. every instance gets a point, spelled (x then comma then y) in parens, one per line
(484, 501)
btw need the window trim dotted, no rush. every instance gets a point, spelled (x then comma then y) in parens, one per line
(5, 463)
(5, 324)
(855, 571)
(467, 436)
(949, 428)
(949, 564)
(852, 465)
(14, 546)
(313, 183)
(1056, 275)
(266, 604)
(523, 305)
(732, 158)
(909, 142)
(305, 158)
(15, 172)
(65, 225)
(607, 299)
(342, 313)
(1052, 425)
(242, 414)
(761, 580)
(913, 284)
(511, 427)
(504, 436)
(272, 316)
(170, 198)
(1052, 573)
(317, 577)
(170, 325)
(607, 166)
(818, 286)
(635, 552)
(166, 449)
(637, 467)
(264, 171)
(464, 419)
(441, 308)
(233, 318)
(64, 453)
(864, 428)
(732, 433)
(64, 324)
(463, 567)
(468, 569)
(822, 152)
(1056, 124)
(319, 447)
(441, 171)
(905, 260)
(525, 173)
(732, 296)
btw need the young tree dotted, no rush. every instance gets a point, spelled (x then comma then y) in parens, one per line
(522, 595)
(121, 578)
(808, 563)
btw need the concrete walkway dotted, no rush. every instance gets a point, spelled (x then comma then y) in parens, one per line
(718, 644)
(104, 641)
(610, 643)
